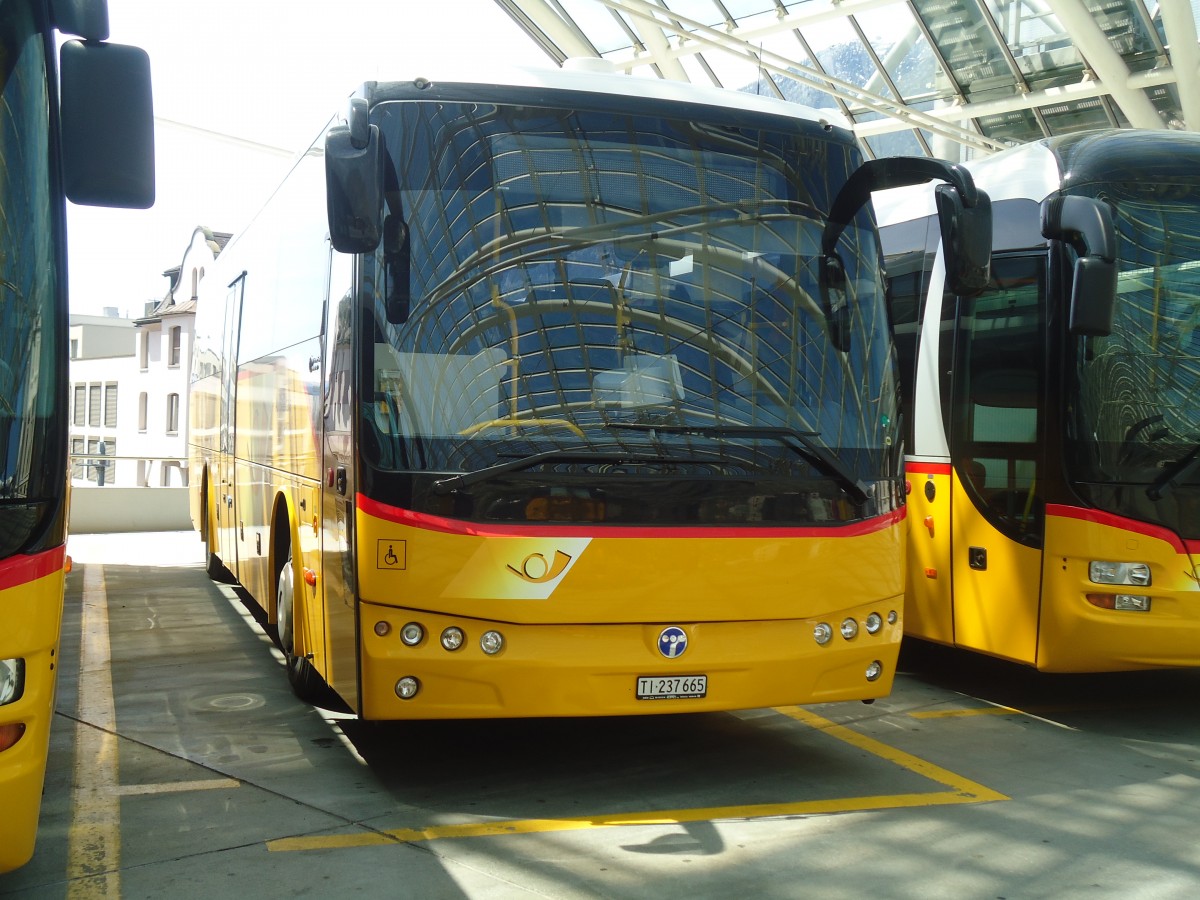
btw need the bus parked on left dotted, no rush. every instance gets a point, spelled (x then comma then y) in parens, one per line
(81, 129)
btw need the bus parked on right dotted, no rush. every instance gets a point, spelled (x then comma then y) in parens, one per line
(1053, 419)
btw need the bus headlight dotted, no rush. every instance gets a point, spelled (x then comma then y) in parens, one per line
(452, 638)
(1101, 572)
(822, 633)
(12, 680)
(873, 623)
(412, 634)
(874, 670)
(849, 629)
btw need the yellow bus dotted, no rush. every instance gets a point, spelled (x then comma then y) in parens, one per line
(89, 138)
(1054, 516)
(565, 394)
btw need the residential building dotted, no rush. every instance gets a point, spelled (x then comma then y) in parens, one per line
(129, 382)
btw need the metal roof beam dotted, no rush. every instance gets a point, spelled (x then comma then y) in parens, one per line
(1106, 62)
(560, 38)
(1083, 90)
(703, 34)
(1180, 26)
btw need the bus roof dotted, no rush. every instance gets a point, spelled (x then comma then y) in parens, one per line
(596, 76)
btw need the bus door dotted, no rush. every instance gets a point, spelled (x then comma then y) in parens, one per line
(226, 495)
(996, 428)
(337, 488)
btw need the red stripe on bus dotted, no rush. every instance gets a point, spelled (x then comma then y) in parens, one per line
(26, 567)
(1114, 521)
(457, 526)
(927, 468)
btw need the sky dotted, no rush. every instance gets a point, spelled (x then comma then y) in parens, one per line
(240, 87)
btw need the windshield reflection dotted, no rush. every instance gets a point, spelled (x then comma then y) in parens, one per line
(548, 274)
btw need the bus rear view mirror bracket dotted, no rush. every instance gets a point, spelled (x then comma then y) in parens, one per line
(1087, 225)
(354, 159)
(964, 211)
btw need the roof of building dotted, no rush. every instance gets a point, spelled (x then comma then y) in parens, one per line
(949, 78)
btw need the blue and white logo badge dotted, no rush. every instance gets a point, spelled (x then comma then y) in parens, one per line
(672, 642)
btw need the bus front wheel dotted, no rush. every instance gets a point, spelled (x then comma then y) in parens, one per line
(306, 683)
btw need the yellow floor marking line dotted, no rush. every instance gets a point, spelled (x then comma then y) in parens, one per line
(961, 790)
(175, 787)
(94, 839)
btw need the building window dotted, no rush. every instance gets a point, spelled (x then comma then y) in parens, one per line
(173, 474)
(172, 414)
(74, 348)
(110, 405)
(94, 405)
(144, 351)
(79, 415)
(79, 468)
(100, 469)
(143, 410)
(176, 341)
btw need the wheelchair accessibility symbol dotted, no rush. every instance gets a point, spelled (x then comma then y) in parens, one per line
(390, 555)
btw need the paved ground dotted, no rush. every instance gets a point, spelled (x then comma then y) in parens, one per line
(181, 766)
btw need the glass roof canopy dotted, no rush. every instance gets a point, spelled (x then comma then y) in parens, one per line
(955, 79)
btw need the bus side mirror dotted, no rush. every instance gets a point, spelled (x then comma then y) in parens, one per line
(1087, 225)
(966, 239)
(107, 125)
(354, 182)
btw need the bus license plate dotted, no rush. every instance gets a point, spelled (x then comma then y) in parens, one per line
(672, 687)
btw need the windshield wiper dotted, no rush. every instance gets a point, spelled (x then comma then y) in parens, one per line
(801, 442)
(1174, 474)
(464, 479)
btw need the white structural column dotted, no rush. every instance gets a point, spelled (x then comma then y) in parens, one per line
(1180, 26)
(1106, 62)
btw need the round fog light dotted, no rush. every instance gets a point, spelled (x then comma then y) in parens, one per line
(892, 617)
(412, 634)
(874, 670)
(849, 629)
(873, 623)
(491, 642)
(822, 633)
(452, 638)
(382, 629)
(407, 687)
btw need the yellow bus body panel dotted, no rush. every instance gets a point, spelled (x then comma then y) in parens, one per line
(32, 615)
(581, 614)
(995, 608)
(1078, 636)
(928, 602)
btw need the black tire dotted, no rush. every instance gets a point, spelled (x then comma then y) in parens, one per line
(305, 681)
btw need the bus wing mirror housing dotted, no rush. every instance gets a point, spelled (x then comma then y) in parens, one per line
(354, 182)
(966, 239)
(1087, 225)
(107, 125)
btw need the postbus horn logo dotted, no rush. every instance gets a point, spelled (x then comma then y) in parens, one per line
(536, 569)
(672, 642)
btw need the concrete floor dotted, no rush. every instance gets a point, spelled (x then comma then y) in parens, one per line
(182, 766)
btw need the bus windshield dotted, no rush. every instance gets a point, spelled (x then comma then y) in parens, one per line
(31, 461)
(1138, 415)
(606, 291)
